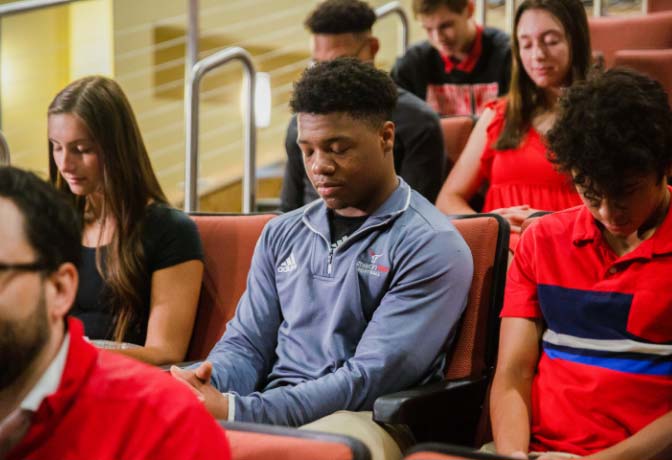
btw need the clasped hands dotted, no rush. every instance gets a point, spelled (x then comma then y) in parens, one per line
(515, 215)
(198, 381)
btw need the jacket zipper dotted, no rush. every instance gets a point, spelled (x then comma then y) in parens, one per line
(330, 257)
(331, 260)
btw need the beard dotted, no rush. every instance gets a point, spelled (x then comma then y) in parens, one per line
(22, 341)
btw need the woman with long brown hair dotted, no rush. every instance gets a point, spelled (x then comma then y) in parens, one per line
(142, 264)
(551, 49)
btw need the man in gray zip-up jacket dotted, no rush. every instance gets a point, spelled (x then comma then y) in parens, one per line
(352, 296)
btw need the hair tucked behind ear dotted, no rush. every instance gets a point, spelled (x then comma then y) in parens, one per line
(128, 185)
(524, 96)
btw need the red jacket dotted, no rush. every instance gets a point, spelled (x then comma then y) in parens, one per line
(108, 406)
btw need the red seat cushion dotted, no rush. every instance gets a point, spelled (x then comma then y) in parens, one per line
(610, 34)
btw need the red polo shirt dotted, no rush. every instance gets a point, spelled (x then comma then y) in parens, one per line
(109, 407)
(606, 365)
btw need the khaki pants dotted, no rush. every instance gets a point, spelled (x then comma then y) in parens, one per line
(359, 425)
(489, 448)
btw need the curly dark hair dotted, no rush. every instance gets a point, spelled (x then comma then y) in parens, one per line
(611, 128)
(51, 225)
(340, 17)
(348, 86)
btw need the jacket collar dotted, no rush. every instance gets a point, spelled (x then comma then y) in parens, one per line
(315, 214)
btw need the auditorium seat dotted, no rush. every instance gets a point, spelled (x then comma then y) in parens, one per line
(656, 6)
(451, 411)
(456, 131)
(531, 219)
(657, 64)
(610, 34)
(251, 441)
(436, 451)
(228, 244)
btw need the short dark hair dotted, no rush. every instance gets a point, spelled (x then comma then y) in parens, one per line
(430, 6)
(341, 17)
(51, 224)
(613, 127)
(348, 86)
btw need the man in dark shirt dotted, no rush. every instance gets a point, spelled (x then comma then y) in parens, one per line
(461, 66)
(342, 28)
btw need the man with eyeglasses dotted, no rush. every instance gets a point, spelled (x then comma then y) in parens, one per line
(342, 28)
(59, 396)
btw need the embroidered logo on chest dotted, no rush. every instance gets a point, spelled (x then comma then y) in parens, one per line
(368, 264)
(288, 265)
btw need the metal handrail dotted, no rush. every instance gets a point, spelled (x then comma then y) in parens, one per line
(598, 9)
(30, 5)
(396, 8)
(191, 105)
(480, 12)
(4, 150)
(509, 15)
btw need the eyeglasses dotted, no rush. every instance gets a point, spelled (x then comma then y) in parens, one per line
(6, 269)
(355, 54)
(27, 267)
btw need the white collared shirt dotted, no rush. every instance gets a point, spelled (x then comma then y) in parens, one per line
(49, 381)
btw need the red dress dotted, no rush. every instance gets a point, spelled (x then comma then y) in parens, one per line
(522, 175)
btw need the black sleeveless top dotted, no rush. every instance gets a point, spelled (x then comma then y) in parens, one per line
(170, 237)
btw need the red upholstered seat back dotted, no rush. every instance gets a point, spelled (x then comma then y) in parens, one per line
(656, 6)
(456, 131)
(228, 243)
(610, 34)
(657, 64)
(428, 455)
(259, 446)
(474, 349)
(251, 441)
(439, 451)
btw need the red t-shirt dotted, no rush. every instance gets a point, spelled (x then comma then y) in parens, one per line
(606, 365)
(522, 175)
(109, 407)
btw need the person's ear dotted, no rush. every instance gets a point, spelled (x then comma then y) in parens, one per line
(374, 46)
(61, 290)
(470, 9)
(387, 137)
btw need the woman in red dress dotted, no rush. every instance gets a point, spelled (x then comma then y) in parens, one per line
(551, 46)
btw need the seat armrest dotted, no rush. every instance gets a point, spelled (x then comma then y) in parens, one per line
(183, 365)
(446, 411)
